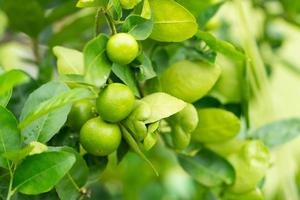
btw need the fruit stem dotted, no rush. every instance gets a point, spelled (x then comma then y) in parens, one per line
(10, 192)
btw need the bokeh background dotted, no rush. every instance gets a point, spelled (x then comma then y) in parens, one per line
(276, 27)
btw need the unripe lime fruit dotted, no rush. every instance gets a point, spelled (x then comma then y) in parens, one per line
(80, 113)
(100, 138)
(122, 48)
(115, 102)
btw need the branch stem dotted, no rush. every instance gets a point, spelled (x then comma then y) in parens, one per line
(110, 22)
(97, 22)
(10, 192)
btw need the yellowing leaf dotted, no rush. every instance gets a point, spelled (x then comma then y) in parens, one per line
(69, 61)
(11, 79)
(188, 80)
(162, 106)
(172, 22)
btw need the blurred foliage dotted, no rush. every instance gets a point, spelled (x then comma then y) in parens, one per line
(30, 28)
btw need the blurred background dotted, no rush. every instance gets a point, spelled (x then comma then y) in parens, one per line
(276, 27)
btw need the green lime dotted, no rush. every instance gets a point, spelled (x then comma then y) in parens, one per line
(100, 138)
(115, 102)
(80, 113)
(122, 48)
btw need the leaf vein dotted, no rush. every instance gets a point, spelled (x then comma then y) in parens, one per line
(41, 172)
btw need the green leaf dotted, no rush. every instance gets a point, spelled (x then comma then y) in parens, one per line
(49, 124)
(4, 184)
(129, 4)
(139, 27)
(10, 138)
(135, 147)
(195, 7)
(252, 195)
(126, 75)
(146, 10)
(4, 98)
(4, 163)
(208, 13)
(172, 22)
(117, 8)
(25, 16)
(68, 188)
(202, 10)
(150, 140)
(278, 133)
(208, 169)
(60, 11)
(221, 46)
(135, 121)
(69, 34)
(10, 79)
(215, 125)
(91, 3)
(227, 148)
(144, 64)
(97, 65)
(152, 136)
(69, 61)
(162, 106)
(46, 113)
(75, 80)
(3, 23)
(39, 173)
(30, 149)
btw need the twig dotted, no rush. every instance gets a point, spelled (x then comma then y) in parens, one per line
(97, 22)
(110, 22)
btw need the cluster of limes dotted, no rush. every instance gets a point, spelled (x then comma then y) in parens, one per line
(101, 135)
(98, 119)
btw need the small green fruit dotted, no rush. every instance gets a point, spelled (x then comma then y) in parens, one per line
(100, 138)
(115, 102)
(122, 48)
(80, 113)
